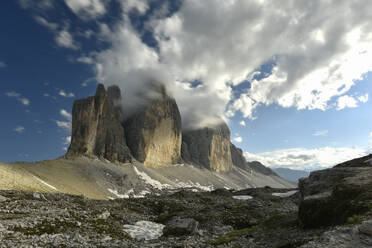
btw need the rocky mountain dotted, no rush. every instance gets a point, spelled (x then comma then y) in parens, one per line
(97, 129)
(208, 147)
(154, 130)
(291, 175)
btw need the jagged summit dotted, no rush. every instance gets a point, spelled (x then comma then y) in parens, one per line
(154, 130)
(151, 133)
(96, 127)
(208, 147)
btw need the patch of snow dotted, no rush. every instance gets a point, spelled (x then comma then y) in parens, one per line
(45, 183)
(121, 196)
(154, 183)
(286, 194)
(144, 230)
(242, 197)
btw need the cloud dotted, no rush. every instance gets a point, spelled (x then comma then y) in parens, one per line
(65, 39)
(87, 9)
(66, 114)
(2, 64)
(64, 94)
(363, 98)
(50, 25)
(318, 50)
(19, 97)
(303, 158)
(321, 133)
(36, 4)
(346, 102)
(242, 123)
(67, 140)
(65, 125)
(19, 129)
(238, 139)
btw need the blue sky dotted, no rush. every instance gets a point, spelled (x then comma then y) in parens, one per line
(301, 85)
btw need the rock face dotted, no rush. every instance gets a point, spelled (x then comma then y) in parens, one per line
(97, 129)
(337, 195)
(239, 160)
(154, 131)
(208, 147)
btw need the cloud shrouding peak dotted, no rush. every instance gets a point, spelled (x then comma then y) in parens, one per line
(318, 50)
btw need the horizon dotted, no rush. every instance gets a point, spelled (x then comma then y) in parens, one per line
(292, 81)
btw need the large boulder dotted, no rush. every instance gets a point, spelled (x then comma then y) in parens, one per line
(154, 130)
(97, 129)
(338, 195)
(208, 147)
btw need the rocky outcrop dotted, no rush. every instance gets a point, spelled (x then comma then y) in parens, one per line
(154, 130)
(337, 195)
(208, 147)
(97, 129)
(239, 160)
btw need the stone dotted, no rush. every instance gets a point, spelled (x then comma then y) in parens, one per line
(335, 196)
(97, 129)
(208, 147)
(104, 215)
(181, 226)
(366, 228)
(3, 199)
(154, 130)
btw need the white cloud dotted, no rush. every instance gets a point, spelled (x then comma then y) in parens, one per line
(238, 139)
(363, 98)
(67, 140)
(36, 4)
(66, 114)
(66, 125)
(321, 133)
(18, 96)
(65, 39)
(303, 158)
(2, 64)
(346, 102)
(19, 129)
(319, 50)
(64, 94)
(87, 9)
(50, 25)
(242, 123)
(85, 60)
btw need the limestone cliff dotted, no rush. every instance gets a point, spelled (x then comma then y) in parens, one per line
(208, 147)
(154, 130)
(97, 129)
(239, 160)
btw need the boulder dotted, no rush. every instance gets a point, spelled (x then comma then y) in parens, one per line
(208, 147)
(179, 226)
(337, 195)
(97, 129)
(154, 130)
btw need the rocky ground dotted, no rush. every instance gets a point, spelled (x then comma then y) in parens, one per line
(181, 219)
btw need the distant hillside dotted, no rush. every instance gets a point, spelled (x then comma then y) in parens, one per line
(291, 175)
